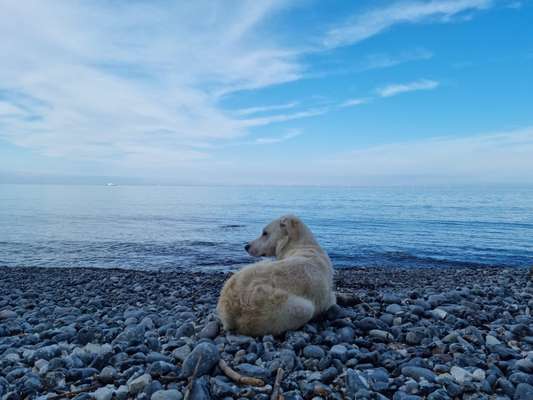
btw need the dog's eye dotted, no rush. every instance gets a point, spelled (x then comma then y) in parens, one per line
(265, 233)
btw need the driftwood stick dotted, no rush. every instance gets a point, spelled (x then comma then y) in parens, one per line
(238, 378)
(74, 393)
(277, 383)
(192, 378)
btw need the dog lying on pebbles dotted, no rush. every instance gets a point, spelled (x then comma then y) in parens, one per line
(271, 297)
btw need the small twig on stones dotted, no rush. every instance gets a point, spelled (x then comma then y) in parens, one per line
(238, 378)
(275, 390)
(192, 378)
(74, 393)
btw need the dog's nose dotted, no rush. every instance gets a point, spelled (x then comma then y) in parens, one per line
(247, 247)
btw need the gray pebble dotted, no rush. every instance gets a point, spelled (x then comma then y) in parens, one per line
(207, 354)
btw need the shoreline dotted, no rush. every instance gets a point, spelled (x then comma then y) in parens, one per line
(405, 332)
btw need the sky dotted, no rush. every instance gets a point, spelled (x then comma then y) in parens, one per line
(266, 92)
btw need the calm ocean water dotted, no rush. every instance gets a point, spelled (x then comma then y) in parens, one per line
(153, 227)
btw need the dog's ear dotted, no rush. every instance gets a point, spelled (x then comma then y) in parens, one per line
(291, 225)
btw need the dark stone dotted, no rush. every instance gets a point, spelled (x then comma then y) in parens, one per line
(367, 324)
(252, 370)
(521, 377)
(355, 382)
(220, 388)
(206, 353)
(210, 330)
(133, 335)
(329, 374)
(313, 351)
(505, 386)
(439, 394)
(200, 389)
(523, 391)
(185, 330)
(75, 374)
(504, 352)
(418, 373)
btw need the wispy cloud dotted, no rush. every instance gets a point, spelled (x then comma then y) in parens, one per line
(102, 80)
(491, 157)
(354, 102)
(497, 157)
(391, 90)
(271, 140)
(262, 109)
(259, 121)
(365, 25)
(397, 88)
(384, 60)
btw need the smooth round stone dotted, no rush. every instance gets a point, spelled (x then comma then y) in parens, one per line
(436, 300)
(368, 323)
(147, 323)
(439, 313)
(171, 394)
(523, 391)
(108, 375)
(7, 314)
(209, 331)
(394, 309)
(390, 298)
(439, 394)
(334, 312)
(131, 321)
(414, 337)
(339, 352)
(460, 375)
(103, 393)
(138, 384)
(355, 382)
(346, 334)
(313, 351)
(207, 354)
(521, 377)
(185, 330)
(525, 365)
(329, 374)
(32, 384)
(221, 388)
(122, 392)
(200, 389)
(131, 336)
(133, 313)
(181, 353)
(491, 340)
(418, 373)
(453, 389)
(252, 370)
(381, 335)
(521, 330)
(160, 368)
(506, 386)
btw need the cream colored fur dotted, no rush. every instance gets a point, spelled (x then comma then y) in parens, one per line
(271, 297)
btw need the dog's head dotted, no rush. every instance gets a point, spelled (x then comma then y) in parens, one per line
(275, 237)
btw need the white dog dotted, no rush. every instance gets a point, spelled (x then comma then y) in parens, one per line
(271, 297)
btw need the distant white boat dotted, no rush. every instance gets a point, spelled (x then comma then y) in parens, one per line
(110, 184)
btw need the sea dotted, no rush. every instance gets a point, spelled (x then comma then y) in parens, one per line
(205, 228)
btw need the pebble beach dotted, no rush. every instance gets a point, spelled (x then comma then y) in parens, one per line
(397, 333)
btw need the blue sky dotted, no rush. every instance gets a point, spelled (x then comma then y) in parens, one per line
(267, 92)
